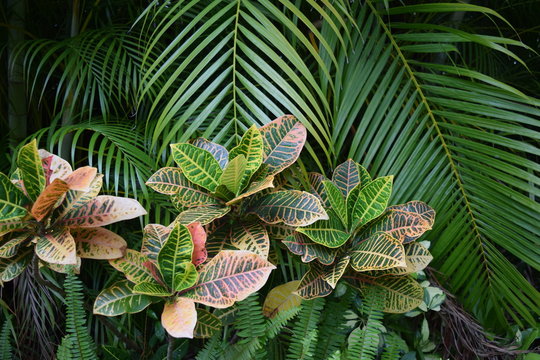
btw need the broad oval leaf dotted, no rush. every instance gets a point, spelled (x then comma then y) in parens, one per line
(75, 199)
(278, 231)
(119, 299)
(313, 284)
(50, 197)
(154, 236)
(81, 179)
(251, 146)
(13, 267)
(177, 250)
(401, 293)
(281, 298)
(98, 243)
(336, 271)
(251, 237)
(198, 165)
(218, 151)
(12, 244)
(291, 207)
(372, 201)
(203, 215)
(253, 188)
(185, 278)
(31, 170)
(54, 166)
(406, 222)
(12, 211)
(317, 188)
(64, 269)
(337, 201)
(229, 277)
(346, 176)
(103, 210)
(179, 317)
(57, 247)
(329, 233)
(233, 175)
(151, 289)
(380, 251)
(300, 245)
(167, 180)
(132, 265)
(198, 236)
(207, 324)
(417, 257)
(283, 140)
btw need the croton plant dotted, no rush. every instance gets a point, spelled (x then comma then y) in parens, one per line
(54, 214)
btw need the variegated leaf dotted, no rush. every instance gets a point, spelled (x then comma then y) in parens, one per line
(154, 236)
(75, 199)
(192, 196)
(292, 207)
(11, 245)
(154, 271)
(402, 293)
(132, 265)
(281, 298)
(251, 237)
(103, 210)
(254, 188)
(13, 267)
(187, 277)
(283, 141)
(64, 269)
(218, 152)
(198, 236)
(346, 176)
(98, 243)
(177, 250)
(198, 165)
(278, 231)
(12, 210)
(81, 178)
(417, 257)
(219, 239)
(167, 180)
(251, 146)
(299, 244)
(372, 201)
(336, 271)
(329, 233)
(230, 276)
(207, 324)
(203, 215)
(317, 188)
(54, 166)
(31, 170)
(380, 251)
(313, 285)
(151, 289)
(119, 299)
(233, 174)
(57, 247)
(337, 201)
(179, 317)
(50, 197)
(406, 222)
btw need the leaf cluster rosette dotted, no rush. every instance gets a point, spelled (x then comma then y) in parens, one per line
(49, 210)
(363, 239)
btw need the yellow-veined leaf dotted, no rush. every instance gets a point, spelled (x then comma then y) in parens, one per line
(103, 210)
(417, 257)
(300, 244)
(229, 277)
(292, 207)
(13, 267)
(185, 278)
(233, 174)
(278, 231)
(98, 243)
(207, 324)
(198, 236)
(75, 199)
(198, 165)
(281, 298)
(64, 269)
(337, 201)
(57, 247)
(12, 243)
(251, 146)
(283, 140)
(203, 215)
(317, 188)
(336, 271)
(154, 236)
(151, 289)
(380, 251)
(218, 152)
(12, 210)
(372, 201)
(405, 222)
(179, 317)
(167, 180)
(31, 170)
(313, 285)
(347, 176)
(177, 250)
(251, 237)
(254, 188)
(119, 299)
(402, 293)
(132, 265)
(81, 178)
(50, 197)
(219, 239)
(329, 233)
(54, 166)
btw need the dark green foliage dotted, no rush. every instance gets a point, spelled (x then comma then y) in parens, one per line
(5, 339)
(304, 332)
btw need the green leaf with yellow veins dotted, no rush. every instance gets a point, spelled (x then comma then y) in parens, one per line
(151, 289)
(120, 299)
(372, 201)
(198, 165)
(12, 211)
(378, 252)
(218, 151)
(234, 174)
(177, 250)
(251, 146)
(329, 233)
(31, 170)
(337, 201)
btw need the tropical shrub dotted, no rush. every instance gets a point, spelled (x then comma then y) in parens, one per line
(55, 213)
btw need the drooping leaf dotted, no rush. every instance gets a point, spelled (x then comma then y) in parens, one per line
(64, 269)
(329, 233)
(103, 210)
(292, 207)
(119, 299)
(192, 196)
(198, 165)
(198, 236)
(154, 236)
(401, 293)
(251, 146)
(186, 277)
(12, 211)
(50, 197)
(233, 174)
(346, 176)
(372, 201)
(336, 271)
(380, 251)
(31, 170)
(12, 244)
(179, 317)
(417, 257)
(54, 166)
(230, 276)
(218, 152)
(57, 247)
(313, 285)
(81, 179)
(151, 289)
(300, 244)
(203, 215)
(207, 324)
(75, 199)
(251, 237)
(317, 188)
(177, 250)
(278, 231)
(337, 201)
(167, 180)
(283, 140)
(406, 222)
(132, 265)
(254, 188)
(13, 267)
(98, 243)
(281, 298)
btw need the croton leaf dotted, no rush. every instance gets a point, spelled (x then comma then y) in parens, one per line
(300, 244)
(75, 199)
(218, 152)
(31, 170)
(198, 165)
(372, 201)
(401, 293)
(185, 278)
(177, 250)
(167, 180)
(230, 276)
(49, 198)
(151, 289)
(278, 231)
(203, 215)
(313, 284)
(191, 196)
(346, 176)
(417, 257)
(98, 243)
(13, 267)
(233, 174)
(253, 188)
(283, 141)
(337, 200)
(64, 269)
(292, 207)
(57, 247)
(317, 188)
(154, 236)
(336, 271)
(81, 178)
(54, 166)
(407, 222)
(12, 211)
(103, 210)
(281, 298)
(380, 251)
(120, 299)
(198, 236)
(251, 146)
(179, 317)
(11, 245)
(207, 324)
(251, 237)
(132, 265)
(329, 233)
(219, 239)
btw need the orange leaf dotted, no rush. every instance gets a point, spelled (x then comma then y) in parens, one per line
(54, 166)
(198, 236)
(47, 200)
(98, 243)
(179, 318)
(81, 178)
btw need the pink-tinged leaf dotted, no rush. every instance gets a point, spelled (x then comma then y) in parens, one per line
(313, 284)
(154, 236)
(132, 265)
(57, 247)
(154, 271)
(81, 178)
(179, 318)
(300, 244)
(75, 199)
(65, 269)
(51, 196)
(103, 210)
(283, 140)
(198, 236)
(230, 276)
(251, 237)
(98, 243)
(54, 166)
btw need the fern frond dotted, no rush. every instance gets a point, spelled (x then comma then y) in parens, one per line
(5, 339)
(304, 331)
(393, 347)
(213, 349)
